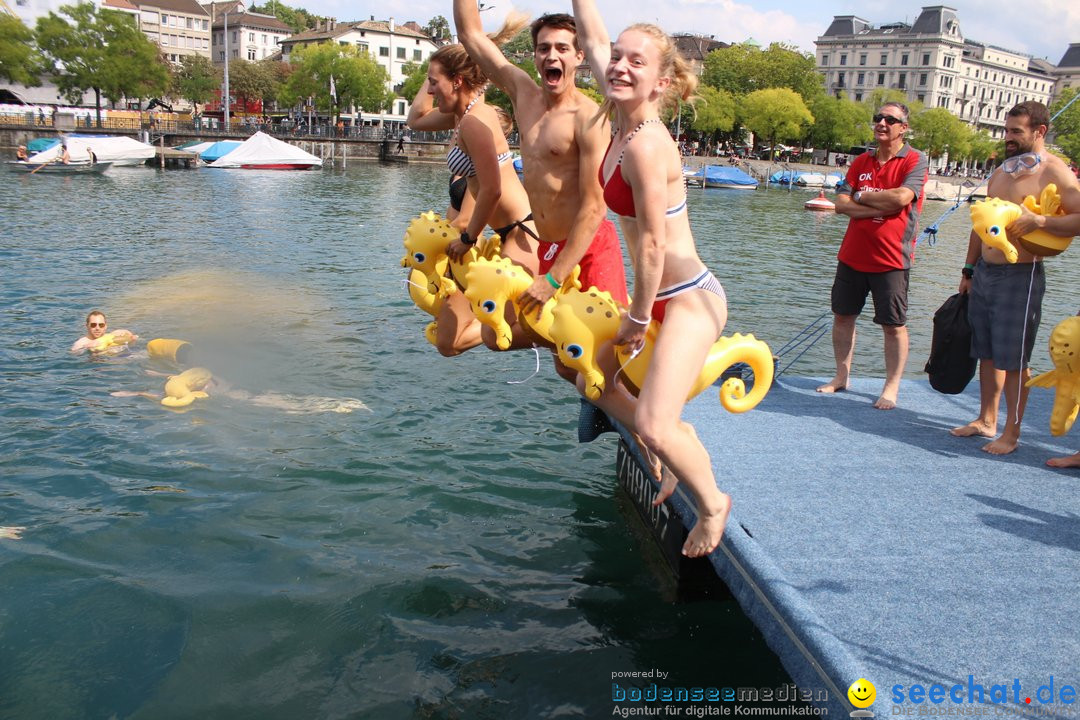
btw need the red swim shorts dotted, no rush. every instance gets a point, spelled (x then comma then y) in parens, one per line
(601, 267)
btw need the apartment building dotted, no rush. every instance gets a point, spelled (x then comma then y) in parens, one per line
(393, 46)
(1068, 71)
(251, 36)
(179, 27)
(930, 61)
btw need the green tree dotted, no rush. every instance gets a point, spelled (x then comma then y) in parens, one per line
(713, 113)
(358, 78)
(742, 69)
(415, 78)
(839, 123)
(1066, 126)
(195, 80)
(20, 61)
(438, 29)
(880, 96)
(99, 50)
(297, 19)
(775, 114)
(937, 131)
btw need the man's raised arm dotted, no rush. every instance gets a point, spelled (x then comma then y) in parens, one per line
(483, 49)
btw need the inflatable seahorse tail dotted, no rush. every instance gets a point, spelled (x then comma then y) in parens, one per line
(1046, 379)
(168, 401)
(755, 353)
(169, 350)
(431, 332)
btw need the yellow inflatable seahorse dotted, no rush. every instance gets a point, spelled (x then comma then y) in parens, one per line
(426, 240)
(118, 339)
(584, 320)
(183, 389)
(492, 283)
(990, 217)
(1065, 352)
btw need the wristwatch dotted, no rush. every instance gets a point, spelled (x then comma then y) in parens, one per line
(856, 195)
(967, 272)
(466, 239)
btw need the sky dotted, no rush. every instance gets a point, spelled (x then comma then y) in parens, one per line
(1040, 28)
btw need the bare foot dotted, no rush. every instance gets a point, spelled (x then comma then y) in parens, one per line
(833, 386)
(668, 481)
(974, 428)
(1070, 461)
(885, 403)
(1001, 446)
(709, 530)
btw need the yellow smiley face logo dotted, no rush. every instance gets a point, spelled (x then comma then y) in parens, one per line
(862, 693)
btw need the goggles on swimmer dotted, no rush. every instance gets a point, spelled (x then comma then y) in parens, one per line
(1023, 164)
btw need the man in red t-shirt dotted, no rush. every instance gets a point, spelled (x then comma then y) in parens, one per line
(883, 195)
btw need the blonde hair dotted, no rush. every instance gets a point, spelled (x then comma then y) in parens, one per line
(672, 65)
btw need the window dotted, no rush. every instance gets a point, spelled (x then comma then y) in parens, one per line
(236, 53)
(384, 52)
(926, 59)
(164, 39)
(881, 78)
(221, 56)
(858, 97)
(901, 81)
(401, 53)
(840, 79)
(164, 19)
(172, 20)
(234, 37)
(401, 108)
(921, 98)
(903, 59)
(205, 25)
(862, 58)
(251, 54)
(362, 47)
(189, 42)
(206, 43)
(884, 59)
(861, 79)
(922, 79)
(264, 39)
(824, 59)
(251, 37)
(416, 55)
(843, 59)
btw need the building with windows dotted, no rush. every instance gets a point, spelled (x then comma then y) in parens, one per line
(178, 27)
(393, 47)
(930, 61)
(252, 36)
(1068, 71)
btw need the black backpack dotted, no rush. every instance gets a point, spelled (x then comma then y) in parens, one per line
(951, 366)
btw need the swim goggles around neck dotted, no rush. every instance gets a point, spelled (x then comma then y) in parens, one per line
(1023, 164)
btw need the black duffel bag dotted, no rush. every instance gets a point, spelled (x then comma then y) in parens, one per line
(951, 366)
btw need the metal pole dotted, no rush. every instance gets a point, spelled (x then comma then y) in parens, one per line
(227, 98)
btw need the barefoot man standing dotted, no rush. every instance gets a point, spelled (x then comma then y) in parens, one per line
(1005, 303)
(883, 195)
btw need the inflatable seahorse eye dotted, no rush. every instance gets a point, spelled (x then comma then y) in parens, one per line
(583, 321)
(1065, 352)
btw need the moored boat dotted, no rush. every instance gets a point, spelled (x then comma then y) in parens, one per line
(722, 176)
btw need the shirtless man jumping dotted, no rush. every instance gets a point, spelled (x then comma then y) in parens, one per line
(1005, 303)
(561, 150)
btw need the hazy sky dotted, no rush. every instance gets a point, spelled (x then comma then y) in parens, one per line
(1041, 28)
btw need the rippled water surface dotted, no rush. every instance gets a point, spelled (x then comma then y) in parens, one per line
(352, 526)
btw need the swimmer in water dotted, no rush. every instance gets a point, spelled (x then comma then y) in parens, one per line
(98, 340)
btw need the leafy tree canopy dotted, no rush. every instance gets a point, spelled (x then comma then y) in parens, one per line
(298, 19)
(937, 131)
(742, 69)
(358, 78)
(438, 28)
(839, 123)
(1066, 127)
(775, 114)
(195, 80)
(20, 61)
(714, 112)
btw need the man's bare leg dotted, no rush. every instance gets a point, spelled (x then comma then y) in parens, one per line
(991, 382)
(1016, 395)
(896, 353)
(1069, 461)
(843, 343)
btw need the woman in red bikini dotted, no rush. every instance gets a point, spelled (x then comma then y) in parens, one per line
(479, 153)
(640, 75)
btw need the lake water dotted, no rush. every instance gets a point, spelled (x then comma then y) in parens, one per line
(357, 527)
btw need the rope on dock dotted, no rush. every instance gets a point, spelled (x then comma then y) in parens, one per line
(803, 341)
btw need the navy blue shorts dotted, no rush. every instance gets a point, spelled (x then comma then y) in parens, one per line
(1004, 312)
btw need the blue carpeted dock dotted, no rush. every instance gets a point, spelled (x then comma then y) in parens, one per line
(873, 544)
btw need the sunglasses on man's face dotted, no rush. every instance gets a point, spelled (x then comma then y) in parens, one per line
(93, 325)
(888, 119)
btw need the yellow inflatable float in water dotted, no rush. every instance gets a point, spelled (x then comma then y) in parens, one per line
(1065, 352)
(584, 320)
(168, 350)
(990, 217)
(114, 341)
(183, 389)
